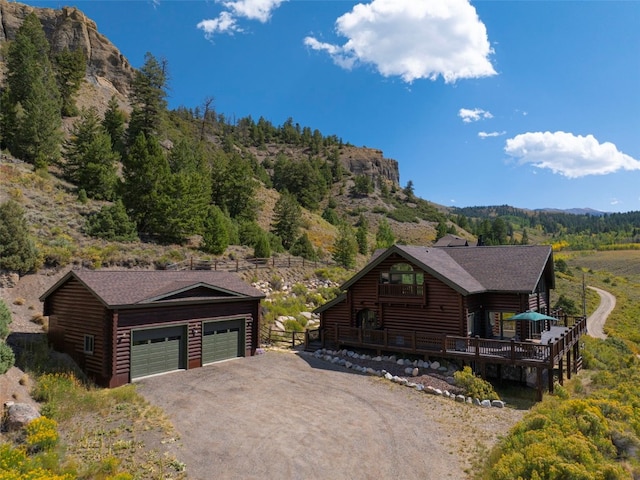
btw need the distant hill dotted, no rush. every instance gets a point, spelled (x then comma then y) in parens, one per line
(574, 211)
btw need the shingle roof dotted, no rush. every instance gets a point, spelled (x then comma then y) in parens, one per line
(450, 240)
(474, 269)
(127, 288)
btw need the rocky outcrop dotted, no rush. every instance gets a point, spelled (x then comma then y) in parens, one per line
(70, 28)
(370, 162)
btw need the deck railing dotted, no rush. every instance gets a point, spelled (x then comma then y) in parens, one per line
(406, 341)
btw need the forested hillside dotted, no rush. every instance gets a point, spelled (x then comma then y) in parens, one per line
(190, 176)
(126, 168)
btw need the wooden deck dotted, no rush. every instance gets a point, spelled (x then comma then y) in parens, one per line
(470, 350)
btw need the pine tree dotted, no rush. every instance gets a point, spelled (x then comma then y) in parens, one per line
(345, 247)
(384, 235)
(112, 223)
(441, 229)
(30, 119)
(303, 247)
(361, 235)
(287, 217)
(262, 248)
(146, 172)
(70, 66)
(17, 251)
(148, 98)
(113, 123)
(216, 236)
(91, 163)
(233, 186)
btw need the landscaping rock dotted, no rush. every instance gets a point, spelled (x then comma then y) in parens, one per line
(18, 415)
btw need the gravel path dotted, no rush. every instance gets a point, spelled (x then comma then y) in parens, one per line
(596, 321)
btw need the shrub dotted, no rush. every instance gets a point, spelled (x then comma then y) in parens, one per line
(473, 386)
(42, 434)
(7, 358)
(5, 320)
(112, 223)
(17, 251)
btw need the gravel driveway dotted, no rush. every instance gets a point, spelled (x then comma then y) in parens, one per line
(290, 416)
(596, 321)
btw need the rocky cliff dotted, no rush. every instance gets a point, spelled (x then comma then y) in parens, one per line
(69, 28)
(109, 73)
(371, 163)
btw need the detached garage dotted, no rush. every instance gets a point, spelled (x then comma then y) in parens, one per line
(123, 325)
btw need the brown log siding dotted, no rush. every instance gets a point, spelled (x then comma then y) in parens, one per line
(74, 312)
(442, 310)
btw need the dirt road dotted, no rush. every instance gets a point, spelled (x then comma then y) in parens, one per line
(289, 416)
(596, 321)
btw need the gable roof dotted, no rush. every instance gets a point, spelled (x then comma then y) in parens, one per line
(469, 270)
(151, 287)
(450, 240)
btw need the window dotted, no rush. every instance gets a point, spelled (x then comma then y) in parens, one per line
(402, 280)
(89, 343)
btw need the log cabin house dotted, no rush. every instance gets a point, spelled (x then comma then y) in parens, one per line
(123, 325)
(455, 303)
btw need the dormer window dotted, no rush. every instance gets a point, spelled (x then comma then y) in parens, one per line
(402, 280)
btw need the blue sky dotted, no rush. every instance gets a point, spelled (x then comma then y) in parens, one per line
(528, 103)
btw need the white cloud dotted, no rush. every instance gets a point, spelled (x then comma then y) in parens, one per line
(468, 115)
(614, 201)
(567, 154)
(484, 135)
(227, 21)
(413, 40)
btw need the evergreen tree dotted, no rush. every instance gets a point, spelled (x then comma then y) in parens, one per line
(112, 223)
(113, 123)
(146, 173)
(384, 235)
(361, 235)
(91, 164)
(5, 320)
(216, 235)
(287, 217)
(71, 67)
(148, 98)
(262, 248)
(362, 186)
(345, 247)
(409, 191)
(17, 251)
(441, 229)
(233, 186)
(330, 215)
(303, 247)
(525, 238)
(30, 120)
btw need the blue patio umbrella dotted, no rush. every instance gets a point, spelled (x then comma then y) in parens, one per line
(532, 316)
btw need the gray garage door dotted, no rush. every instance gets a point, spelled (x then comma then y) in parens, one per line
(157, 350)
(222, 340)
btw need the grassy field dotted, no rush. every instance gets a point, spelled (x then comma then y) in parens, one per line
(590, 428)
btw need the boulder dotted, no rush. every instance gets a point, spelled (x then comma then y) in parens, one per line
(19, 415)
(497, 404)
(434, 365)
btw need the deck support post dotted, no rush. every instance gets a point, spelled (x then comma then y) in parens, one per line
(569, 364)
(561, 371)
(539, 383)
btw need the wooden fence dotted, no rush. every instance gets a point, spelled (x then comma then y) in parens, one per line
(273, 336)
(243, 264)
